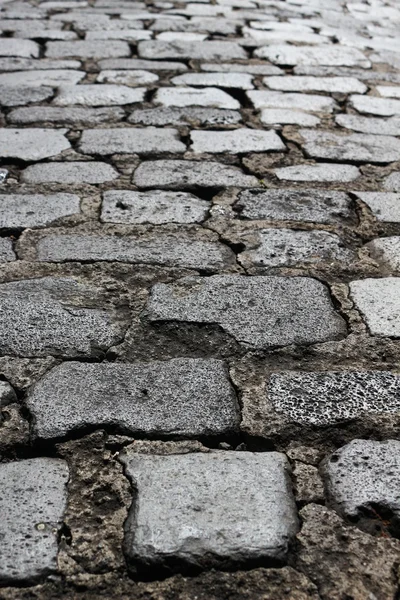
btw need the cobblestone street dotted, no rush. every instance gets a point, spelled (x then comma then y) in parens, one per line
(200, 300)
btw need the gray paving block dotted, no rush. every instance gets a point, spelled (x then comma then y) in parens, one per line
(218, 508)
(139, 63)
(36, 210)
(69, 172)
(157, 207)
(184, 116)
(331, 85)
(21, 64)
(385, 206)
(258, 68)
(32, 144)
(21, 95)
(386, 250)
(32, 503)
(324, 55)
(155, 49)
(7, 394)
(149, 140)
(131, 78)
(327, 172)
(280, 100)
(259, 312)
(384, 107)
(181, 397)
(240, 81)
(88, 49)
(287, 116)
(51, 78)
(6, 249)
(187, 96)
(377, 126)
(236, 141)
(378, 300)
(327, 398)
(18, 47)
(392, 182)
(66, 116)
(98, 95)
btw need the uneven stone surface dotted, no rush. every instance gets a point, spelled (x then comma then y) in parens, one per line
(236, 142)
(186, 96)
(36, 210)
(18, 95)
(319, 172)
(87, 49)
(32, 144)
(141, 141)
(181, 116)
(378, 300)
(66, 116)
(327, 55)
(280, 100)
(341, 85)
(6, 250)
(190, 50)
(385, 206)
(79, 172)
(98, 95)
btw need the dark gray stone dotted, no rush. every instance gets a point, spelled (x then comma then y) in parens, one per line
(7, 394)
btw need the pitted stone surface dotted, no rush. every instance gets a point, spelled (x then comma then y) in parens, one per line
(36, 210)
(319, 172)
(187, 96)
(98, 95)
(326, 398)
(19, 95)
(181, 397)
(6, 250)
(32, 144)
(259, 312)
(131, 140)
(33, 499)
(88, 49)
(155, 207)
(280, 100)
(70, 172)
(41, 317)
(236, 141)
(378, 300)
(324, 55)
(184, 116)
(237, 528)
(190, 50)
(385, 206)
(66, 116)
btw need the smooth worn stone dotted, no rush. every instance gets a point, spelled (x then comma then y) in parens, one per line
(18, 47)
(288, 248)
(69, 172)
(186, 96)
(236, 141)
(385, 206)
(331, 85)
(149, 140)
(388, 91)
(98, 95)
(378, 300)
(250, 68)
(6, 249)
(185, 116)
(55, 316)
(66, 116)
(36, 210)
(156, 207)
(190, 175)
(327, 398)
(306, 102)
(184, 397)
(207, 25)
(138, 63)
(305, 55)
(287, 116)
(362, 478)
(32, 144)
(130, 78)
(392, 182)
(175, 517)
(386, 250)
(155, 49)
(51, 78)
(88, 49)
(240, 81)
(22, 64)
(327, 172)
(259, 312)
(384, 107)
(33, 500)
(7, 394)
(355, 146)
(310, 206)
(377, 126)
(21, 95)
(155, 249)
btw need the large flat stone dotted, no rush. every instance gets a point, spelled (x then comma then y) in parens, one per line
(51, 78)
(331, 85)
(149, 140)
(32, 144)
(155, 49)
(240, 81)
(305, 55)
(370, 125)
(66, 116)
(32, 503)
(259, 312)
(236, 142)
(327, 172)
(378, 300)
(88, 49)
(36, 210)
(21, 95)
(21, 64)
(180, 397)
(187, 96)
(280, 100)
(185, 116)
(384, 107)
(17, 47)
(69, 172)
(98, 95)
(196, 509)
(385, 206)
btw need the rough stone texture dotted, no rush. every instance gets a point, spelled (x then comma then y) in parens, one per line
(131, 78)
(98, 95)
(372, 125)
(32, 501)
(378, 301)
(259, 312)
(240, 81)
(236, 529)
(51, 78)
(36, 210)
(66, 116)
(373, 105)
(71, 172)
(387, 251)
(137, 63)
(19, 95)
(186, 96)
(130, 140)
(182, 397)
(326, 55)
(280, 100)
(385, 206)
(6, 249)
(319, 172)
(236, 142)
(184, 116)
(88, 49)
(392, 182)
(287, 116)
(15, 47)
(190, 50)
(155, 207)
(341, 85)
(32, 144)
(7, 394)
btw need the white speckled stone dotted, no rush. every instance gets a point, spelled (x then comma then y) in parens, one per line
(240, 81)
(385, 107)
(323, 55)
(98, 95)
(306, 102)
(156, 49)
(130, 78)
(385, 206)
(342, 85)
(149, 140)
(319, 172)
(36, 210)
(51, 78)
(32, 144)
(69, 172)
(378, 300)
(236, 141)
(287, 116)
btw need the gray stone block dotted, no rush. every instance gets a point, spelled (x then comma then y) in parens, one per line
(36, 210)
(32, 144)
(384, 107)
(378, 300)
(21, 95)
(238, 141)
(69, 172)
(327, 172)
(187, 96)
(240, 81)
(51, 78)
(88, 49)
(66, 116)
(305, 55)
(6, 249)
(281, 100)
(7, 394)
(287, 116)
(138, 63)
(331, 85)
(385, 206)
(18, 47)
(98, 95)
(216, 50)
(375, 126)
(185, 116)
(131, 78)
(149, 140)
(392, 182)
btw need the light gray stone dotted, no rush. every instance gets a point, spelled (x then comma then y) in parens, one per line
(181, 397)
(208, 25)
(36, 210)
(69, 172)
(32, 503)
(46, 34)
(155, 49)
(327, 172)
(98, 95)
(384, 107)
(370, 125)
(287, 116)
(386, 250)
(21, 95)
(388, 91)
(322, 55)
(55, 316)
(51, 78)
(186, 96)
(190, 175)
(236, 141)
(288, 248)
(130, 78)
(138, 63)
(175, 518)
(378, 300)
(392, 182)
(327, 398)
(260, 38)
(88, 49)
(341, 85)
(17, 47)
(248, 67)
(240, 81)
(32, 144)
(6, 249)
(27, 64)
(149, 140)
(364, 74)
(385, 206)
(128, 35)
(7, 394)
(259, 312)
(156, 207)
(306, 102)
(181, 36)
(66, 116)
(184, 116)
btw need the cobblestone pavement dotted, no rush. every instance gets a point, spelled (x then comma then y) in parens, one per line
(200, 299)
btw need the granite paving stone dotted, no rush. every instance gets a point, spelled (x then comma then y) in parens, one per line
(248, 67)
(128, 35)
(377, 126)
(149, 140)
(18, 47)
(328, 172)
(306, 102)
(259, 312)
(51, 78)
(341, 85)
(32, 503)
(392, 182)
(36, 210)
(131, 78)
(7, 253)
(7, 394)
(378, 300)
(88, 49)
(98, 95)
(236, 141)
(240, 81)
(73, 115)
(182, 36)
(156, 49)
(287, 116)
(323, 55)
(385, 206)
(31, 64)
(238, 528)
(373, 105)
(32, 144)
(386, 250)
(20, 95)
(388, 91)
(138, 63)
(69, 172)
(181, 397)
(183, 116)
(187, 96)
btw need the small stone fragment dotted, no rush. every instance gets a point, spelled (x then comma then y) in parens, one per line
(32, 144)
(69, 172)
(319, 172)
(149, 140)
(236, 142)
(378, 300)
(386, 250)
(36, 210)
(323, 55)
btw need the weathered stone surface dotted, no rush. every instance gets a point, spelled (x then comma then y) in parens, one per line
(129, 35)
(190, 175)
(306, 102)
(138, 63)
(287, 116)
(21, 95)
(69, 172)
(182, 36)
(259, 312)
(387, 251)
(36, 210)
(131, 140)
(190, 50)
(384, 107)
(131, 78)
(354, 147)
(392, 182)
(155, 207)
(318, 399)
(32, 503)
(341, 85)
(32, 144)
(15, 47)
(236, 141)
(248, 67)
(186, 96)
(388, 91)
(88, 49)
(21, 64)
(312, 206)
(240, 81)
(378, 300)
(385, 206)
(175, 518)
(323, 55)
(319, 172)
(372, 125)
(7, 394)
(181, 397)
(285, 247)
(6, 249)
(51, 316)
(51, 78)
(184, 116)
(66, 116)
(98, 95)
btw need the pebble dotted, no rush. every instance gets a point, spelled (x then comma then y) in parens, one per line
(98, 95)
(331, 85)
(240, 81)
(32, 144)
(149, 140)
(327, 172)
(304, 55)
(385, 206)
(306, 102)
(378, 300)
(36, 210)
(21, 95)
(88, 49)
(186, 96)
(155, 49)
(66, 116)
(69, 172)
(184, 116)
(236, 142)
